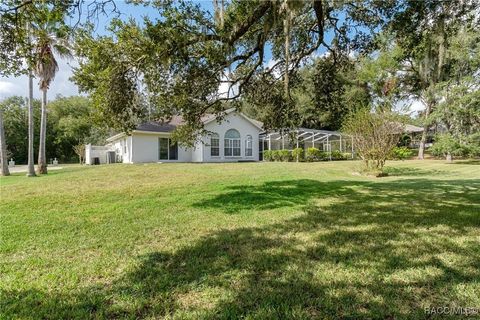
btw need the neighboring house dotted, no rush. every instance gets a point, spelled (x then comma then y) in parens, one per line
(235, 138)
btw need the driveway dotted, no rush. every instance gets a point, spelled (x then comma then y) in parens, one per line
(23, 168)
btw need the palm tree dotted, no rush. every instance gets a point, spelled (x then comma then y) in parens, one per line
(31, 127)
(31, 168)
(49, 38)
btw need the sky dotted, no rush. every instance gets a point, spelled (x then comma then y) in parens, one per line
(13, 86)
(61, 85)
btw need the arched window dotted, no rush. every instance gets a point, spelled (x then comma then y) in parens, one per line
(214, 145)
(232, 143)
(248, 146)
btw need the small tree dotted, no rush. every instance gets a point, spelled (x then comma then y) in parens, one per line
(446, 145)
(80, 152)
(374, 136)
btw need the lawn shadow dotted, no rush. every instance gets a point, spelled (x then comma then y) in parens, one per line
(471, 161)
(273, 195)
(411, 171)
(384, 250)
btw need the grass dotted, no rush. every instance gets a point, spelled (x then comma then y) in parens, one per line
(251, 240)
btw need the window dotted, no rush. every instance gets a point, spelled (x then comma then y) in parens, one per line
(214, 145)
(125, 146)
(232, 143)
(167, 150)
(248, 146)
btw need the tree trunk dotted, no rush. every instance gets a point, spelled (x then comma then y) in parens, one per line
(423, 140)
(42, 161)
(31, 128)
(3, 148)
(449, 157)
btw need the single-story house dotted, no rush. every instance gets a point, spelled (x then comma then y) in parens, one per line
(234, 138)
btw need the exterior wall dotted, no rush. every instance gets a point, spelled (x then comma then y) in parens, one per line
(142, 147)
(243, 126)
(92, 152)
(145, 148)
(118, 145)
(197, 152)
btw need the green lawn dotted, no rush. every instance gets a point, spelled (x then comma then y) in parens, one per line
(251, 240)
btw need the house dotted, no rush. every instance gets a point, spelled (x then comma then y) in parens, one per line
(234, 138)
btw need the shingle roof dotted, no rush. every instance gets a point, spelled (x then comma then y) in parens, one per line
(410, 128)
(155, 126)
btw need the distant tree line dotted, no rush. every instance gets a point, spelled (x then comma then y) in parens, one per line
(70, 123)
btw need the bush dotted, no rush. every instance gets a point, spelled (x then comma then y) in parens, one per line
(284, 155)
(337, 155)
(446, 145)
(268, 155)
(374, 135)
(276, 155)
(297, 154)
(401, 153)
(323, 155)
(313, 154)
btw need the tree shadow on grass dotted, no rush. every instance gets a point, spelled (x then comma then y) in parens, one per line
(273, 195)
(471, 161)
(411, 172)
(384, 250)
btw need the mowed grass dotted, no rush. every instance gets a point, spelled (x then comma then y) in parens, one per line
(251, 240)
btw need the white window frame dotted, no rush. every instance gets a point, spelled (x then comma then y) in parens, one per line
(168, 149)
(249, 146)
(229, 145)
(215, 136)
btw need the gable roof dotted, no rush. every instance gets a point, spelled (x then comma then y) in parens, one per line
(211, 117)
(157, 126)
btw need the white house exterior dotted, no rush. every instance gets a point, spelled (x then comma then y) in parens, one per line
(235, 138)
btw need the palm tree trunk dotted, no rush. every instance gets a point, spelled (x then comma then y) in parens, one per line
(42, 161)
(3, 148)
(31, 165)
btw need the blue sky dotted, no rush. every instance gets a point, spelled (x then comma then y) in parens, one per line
(62, 85)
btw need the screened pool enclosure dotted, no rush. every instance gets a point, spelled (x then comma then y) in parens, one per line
(324, 140)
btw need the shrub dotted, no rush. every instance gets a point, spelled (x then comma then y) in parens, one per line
(446, 145)
(297, 154)
(276, 155)
(337, 155)
(401, 153)
(313, 154)
(347, 155)
(374, 135)
(284, 155)
(268, 155)
(323, 155)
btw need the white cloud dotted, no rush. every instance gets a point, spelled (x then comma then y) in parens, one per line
(411, 106)
(18, 86)
(6, 87)
(417, 105)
